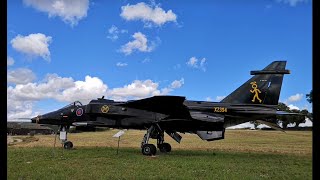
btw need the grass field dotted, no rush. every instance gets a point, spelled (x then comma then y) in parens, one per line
(243, 154)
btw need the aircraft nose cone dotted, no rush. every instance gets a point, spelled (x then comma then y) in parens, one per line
(49, 118)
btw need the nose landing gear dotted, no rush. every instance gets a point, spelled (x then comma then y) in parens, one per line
(68, 145)
(63, 137)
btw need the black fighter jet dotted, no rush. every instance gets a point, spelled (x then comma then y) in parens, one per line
(255, 100)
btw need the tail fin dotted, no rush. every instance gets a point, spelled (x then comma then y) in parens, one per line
(263, 88)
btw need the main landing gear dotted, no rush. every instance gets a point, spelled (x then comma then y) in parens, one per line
(154, 132)
(63, 137)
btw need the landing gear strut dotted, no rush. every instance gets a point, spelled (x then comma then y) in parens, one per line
(154, 132)
(63, 137)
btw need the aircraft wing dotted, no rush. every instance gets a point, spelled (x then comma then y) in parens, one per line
(272, 125)
(159, 104)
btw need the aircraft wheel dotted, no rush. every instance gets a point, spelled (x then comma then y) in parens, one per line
(68, 145)
(149, 149)
(165, 147)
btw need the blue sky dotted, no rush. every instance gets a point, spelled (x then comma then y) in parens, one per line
(60, 52)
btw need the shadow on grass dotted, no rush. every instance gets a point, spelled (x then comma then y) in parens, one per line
(87, 152)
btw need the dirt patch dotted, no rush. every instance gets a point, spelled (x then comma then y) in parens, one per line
(14, 140)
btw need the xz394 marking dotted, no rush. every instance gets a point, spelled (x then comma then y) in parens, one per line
(220, 109)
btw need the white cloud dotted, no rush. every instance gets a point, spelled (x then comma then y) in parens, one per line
(33, 45)
(10, 61)
(19, 109)
(59, 88)
(67, 90)
(241, 126)
(248, 125)
(114, 32)
(70, 11)
(219, 98)
(291, 125)
(208, 99)
(84, 91)
(292, 2)
(137, 89)
(196, 63)
(174, 85)
(21, 97)
(291, 107)
(192, 62)
(20, 76)
(260, 126)
(146, 60)
(308, 123)
(120, 64)
(147, 14)
(177, 83)
(142, 89)
(295, 98)
(140, 43)
(51, 87)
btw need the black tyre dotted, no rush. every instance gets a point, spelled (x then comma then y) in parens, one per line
(68, 145)
(165, 147)
(149, 149)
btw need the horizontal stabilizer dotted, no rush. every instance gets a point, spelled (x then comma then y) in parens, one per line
(272, 125)
(270, 72)
(174, 136)
(211, 135)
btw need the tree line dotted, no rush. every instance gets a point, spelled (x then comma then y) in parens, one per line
(288, 119)
(299, 116)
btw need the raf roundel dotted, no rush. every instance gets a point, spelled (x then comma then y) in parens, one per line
(79, 112)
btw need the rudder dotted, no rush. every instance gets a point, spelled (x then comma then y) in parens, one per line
(263, 88)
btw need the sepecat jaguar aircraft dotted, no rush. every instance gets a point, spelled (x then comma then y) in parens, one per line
(255, 100)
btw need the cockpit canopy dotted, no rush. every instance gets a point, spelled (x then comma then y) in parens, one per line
(76, 103)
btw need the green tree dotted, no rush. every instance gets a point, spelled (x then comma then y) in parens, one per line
(283, 107)
(255, 123)
(307, 114)
(297, 118)
(283, 118)
(309, 97)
